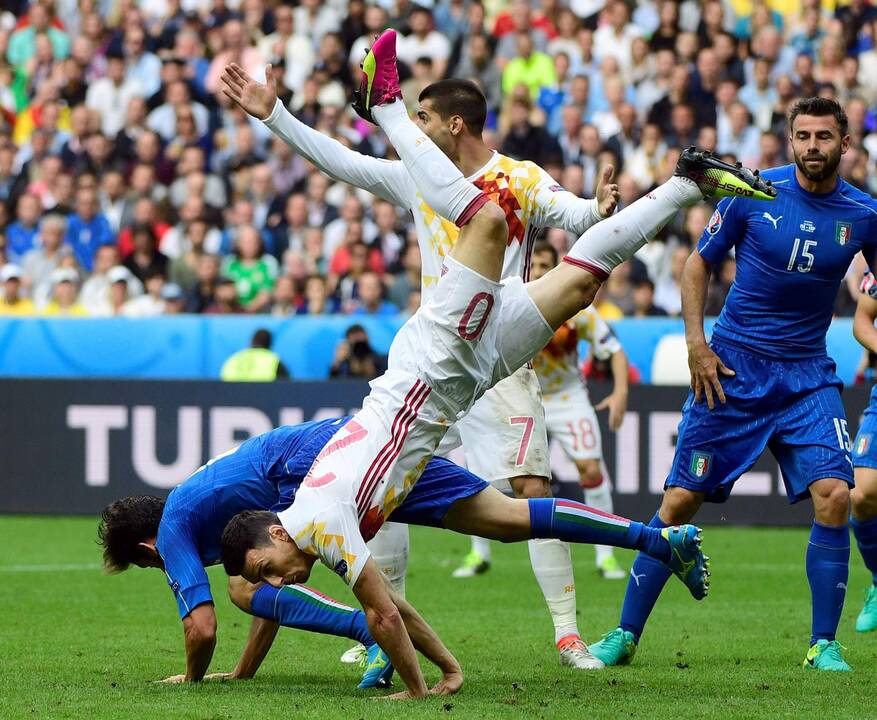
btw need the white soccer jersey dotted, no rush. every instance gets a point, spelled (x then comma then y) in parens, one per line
(530, 197)
(557, 365)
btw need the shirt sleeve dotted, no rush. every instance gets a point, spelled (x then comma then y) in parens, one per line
(556, 207)
(384, 178)
(184, 570)
(726, 226)
(604, 342)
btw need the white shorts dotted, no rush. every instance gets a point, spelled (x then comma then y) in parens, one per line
(571, 419)
(504, 434)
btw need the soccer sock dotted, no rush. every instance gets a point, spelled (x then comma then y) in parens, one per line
(866, 538)
(575, 522)
(647, 579)
(553, 570)
(389, 548)
(828, 561)
(600, 497)
(481, 546)
(610, 242)
(439, 181)
(300, 607)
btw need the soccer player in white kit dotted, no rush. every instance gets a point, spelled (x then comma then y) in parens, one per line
(503, 435)
(569, 415)
(472, 333)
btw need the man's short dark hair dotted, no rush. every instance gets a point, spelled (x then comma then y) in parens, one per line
(124, 525)
(545, 247)
(458, 97)
(355, 329)
(820, 107)
(262, 338)
(245, 531)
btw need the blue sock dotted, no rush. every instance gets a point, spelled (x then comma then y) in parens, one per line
(866, 538)
(576, 522)
(828, 560)
(300, 607)
(647, 579)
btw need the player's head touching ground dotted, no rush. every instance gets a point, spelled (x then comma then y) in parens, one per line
(257, 547)
(127, 532)
(452, 111)
(819, 134)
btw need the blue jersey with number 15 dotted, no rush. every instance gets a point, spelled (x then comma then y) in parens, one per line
(792, 255)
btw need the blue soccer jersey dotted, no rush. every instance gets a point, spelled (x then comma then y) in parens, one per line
(792, 255)
(262, 473)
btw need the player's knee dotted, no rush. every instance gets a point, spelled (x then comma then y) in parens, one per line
(679, 505)
(863, 504)
(831, 501)
(490, 224)
(240, 592)
(530, 486)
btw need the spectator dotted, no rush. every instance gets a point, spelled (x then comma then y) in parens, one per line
(741, 139)
(352, 211)
(644, 300)
(225, 299)
(114, 203)
(530, 68)
(39, 264)
(173, 298)
(95, 292)
(184, 267)
(355, 357)
(111, 95)
(252, 271)
(65, 295)
(477, 64)
(296, 49)
(317, 300)
(202, 295)
(87, 229)
(424, 42)
(614, 39)
(13, 301)
(409, 279)
(21, 235)
(144, 67)
(22, 42)
(234, 50)
(145, 259)
(257, 363)
(720, 285)
(283, 297)
(178, 102)
(151, 302)
(525, 141)
(370, 297)
(668, 290)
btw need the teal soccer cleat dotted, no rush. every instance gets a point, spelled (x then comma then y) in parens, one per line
(687, 560)
(825, 655)
(867, 620)
(378, 669)
(616, 647)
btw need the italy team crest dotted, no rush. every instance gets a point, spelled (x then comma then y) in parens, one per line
(701, 464)
(863, 443)
(843, 232)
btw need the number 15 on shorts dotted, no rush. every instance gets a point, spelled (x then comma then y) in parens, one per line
(843, 434)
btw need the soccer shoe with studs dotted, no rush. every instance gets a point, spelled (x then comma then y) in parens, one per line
(610, 569)
(378, 670)
(867, 620)
(826, 655)
(473, 564)
(575, 654)
(716, 179)
(687, 560)
(617, 647)
(380, 76)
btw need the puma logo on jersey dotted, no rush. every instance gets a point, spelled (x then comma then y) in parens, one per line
(774, 220)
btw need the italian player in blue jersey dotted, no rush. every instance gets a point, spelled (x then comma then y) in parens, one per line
(765, 380)
(181, 536)
(863, 515)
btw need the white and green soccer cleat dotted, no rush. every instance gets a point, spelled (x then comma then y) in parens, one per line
(610, 569)
(826, 655)
(617, 647)
(867, 620)
(473, 564)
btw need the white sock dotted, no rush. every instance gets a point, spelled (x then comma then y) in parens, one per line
(600, 498)
(610, 242)
(439, 181)
(481, 546)
(553, 570)
(389, 548)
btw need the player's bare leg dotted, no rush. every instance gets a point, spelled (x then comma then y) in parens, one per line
(863, 518)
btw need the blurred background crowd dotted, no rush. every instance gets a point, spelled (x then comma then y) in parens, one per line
(129, 185)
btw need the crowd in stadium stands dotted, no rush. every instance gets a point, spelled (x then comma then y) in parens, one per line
(130, 186)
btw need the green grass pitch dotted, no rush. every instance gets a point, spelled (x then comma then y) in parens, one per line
(76, 644)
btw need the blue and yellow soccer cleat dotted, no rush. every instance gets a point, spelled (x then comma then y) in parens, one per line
(380, 76)
(687, 560)
(825, 655)
(867, 620)
(378, 670)
(717, 179)
(616, 647)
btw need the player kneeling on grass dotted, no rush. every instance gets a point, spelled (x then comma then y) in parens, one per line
(181, 536)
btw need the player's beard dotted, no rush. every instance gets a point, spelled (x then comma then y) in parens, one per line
(829, 166)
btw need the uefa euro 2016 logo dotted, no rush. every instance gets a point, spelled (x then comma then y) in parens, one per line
(701, 464)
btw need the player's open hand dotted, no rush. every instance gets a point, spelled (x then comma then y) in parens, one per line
(256, 98)
(705, 367)
(607, 192)
(220, 676)
(616, 404)
(404, 695)
(173, 680)
(450, 683)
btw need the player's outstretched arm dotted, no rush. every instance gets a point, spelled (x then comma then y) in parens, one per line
(563, 209)
(259, 641)
(386, 626)
(387, 180)
(863, 323)
(703, 363)
(199, 630)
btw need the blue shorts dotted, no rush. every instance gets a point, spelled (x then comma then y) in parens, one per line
(439, 487)
(793, 408)
(864, 450)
